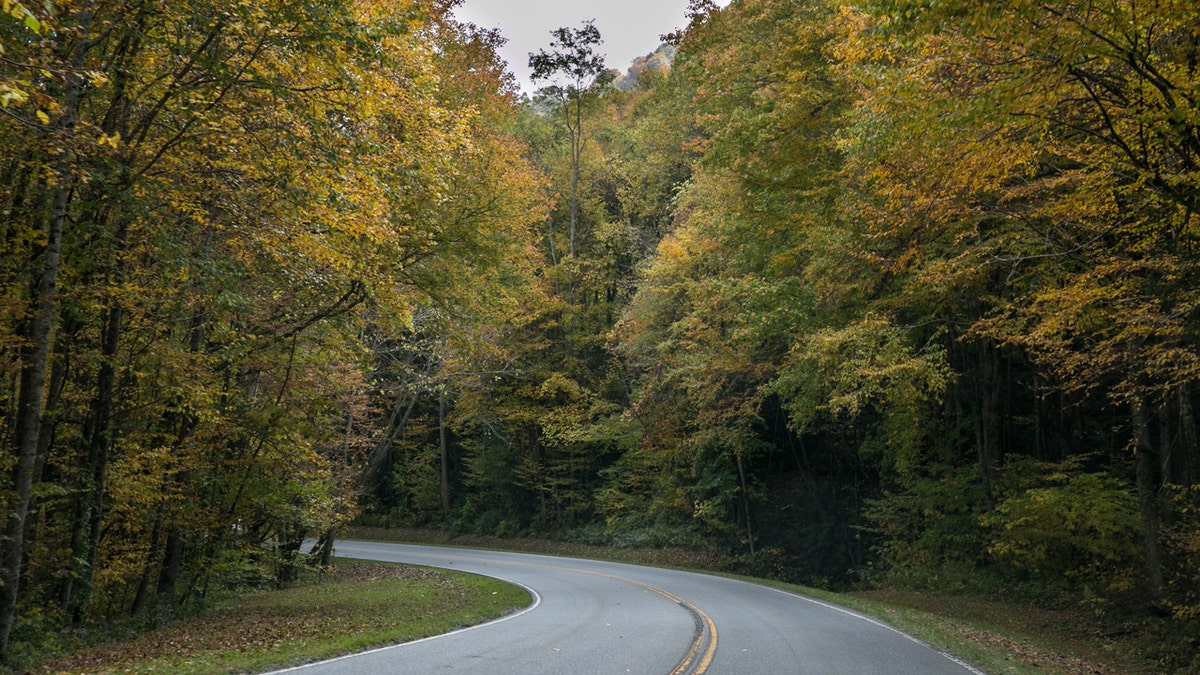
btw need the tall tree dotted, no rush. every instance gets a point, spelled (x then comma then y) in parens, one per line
(575, 71)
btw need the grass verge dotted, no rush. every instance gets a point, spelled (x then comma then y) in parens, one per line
(360, 605)
(996, 637)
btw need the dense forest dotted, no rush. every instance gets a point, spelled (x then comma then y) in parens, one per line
(875, 293)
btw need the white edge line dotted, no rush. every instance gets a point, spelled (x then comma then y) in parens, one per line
(870, 620)
(537, 600)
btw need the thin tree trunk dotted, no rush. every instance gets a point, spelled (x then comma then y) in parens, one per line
(33, 370)
(988, 429)
(90, 514)
(444, 443)
(90, 511)
(143, 589)
(397, 422)
(1186, 461)
(65, 337)
(745, 500)
(27, 431)
(576, 155)
(171, 562)
(550, 240)
(1147, 492)
(1039, 427)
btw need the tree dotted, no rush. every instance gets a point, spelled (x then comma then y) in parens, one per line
(730, 288)
(1034, 165)
(249, 189)
(576, 71)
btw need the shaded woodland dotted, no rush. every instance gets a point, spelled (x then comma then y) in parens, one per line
(881, 293)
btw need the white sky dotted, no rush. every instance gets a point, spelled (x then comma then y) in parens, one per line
(630, 28)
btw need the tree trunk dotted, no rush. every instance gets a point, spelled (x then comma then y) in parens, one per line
(988, 425)
(383, 447)
(1187, 459)
(90, 513)
(550, 240)
(143, 589)
(168, 576)
(287, 570)
(444, 443)
(185, 423)
(1147, 493)
(28, 420)
(35, 358)
(323, 549)
(576, 156)
(90, 509)
(745, 500)
(1039, 427)
(66, 334)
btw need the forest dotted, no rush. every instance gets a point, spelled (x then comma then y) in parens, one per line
(877, 293)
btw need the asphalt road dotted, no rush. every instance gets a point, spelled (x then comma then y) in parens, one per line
(593, 618)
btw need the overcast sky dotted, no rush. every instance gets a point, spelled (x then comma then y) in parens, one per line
(630, 28)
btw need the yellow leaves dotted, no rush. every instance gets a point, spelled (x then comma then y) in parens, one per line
(1111, 324)
(97, 78)
(11, 96)
(18, 11)
(870, 364)
(670, 251)
(857, 44)
(267, 176)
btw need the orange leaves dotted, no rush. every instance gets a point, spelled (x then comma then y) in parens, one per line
(1111, 324)
(1036, 141)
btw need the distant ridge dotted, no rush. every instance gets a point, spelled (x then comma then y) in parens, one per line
(659, 60)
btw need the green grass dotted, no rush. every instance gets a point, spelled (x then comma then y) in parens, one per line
(360, 606)
(997, 638)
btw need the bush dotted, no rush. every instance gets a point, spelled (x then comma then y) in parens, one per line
(930, 536)
(1071, 537)
(1182, 555)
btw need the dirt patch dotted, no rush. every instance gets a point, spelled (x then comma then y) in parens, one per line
(370, 571)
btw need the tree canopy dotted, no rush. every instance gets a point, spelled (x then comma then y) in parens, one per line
(880, 293)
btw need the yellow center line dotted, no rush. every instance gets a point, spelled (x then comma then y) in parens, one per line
(708, 629)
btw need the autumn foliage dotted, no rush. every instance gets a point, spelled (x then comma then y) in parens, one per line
(209, 208)
(886, 292)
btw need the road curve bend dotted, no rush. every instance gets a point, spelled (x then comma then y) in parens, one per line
(600, 618)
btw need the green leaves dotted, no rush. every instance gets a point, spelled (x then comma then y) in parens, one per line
(868, 366)
(572, 55)
(1070, 528)
(22, 13)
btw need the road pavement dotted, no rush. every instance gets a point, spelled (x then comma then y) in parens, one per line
(599, 618)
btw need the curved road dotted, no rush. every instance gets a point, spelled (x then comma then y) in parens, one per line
(590, 617)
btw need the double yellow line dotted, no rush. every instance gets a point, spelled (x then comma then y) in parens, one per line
(706, 633)
(699, 655)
